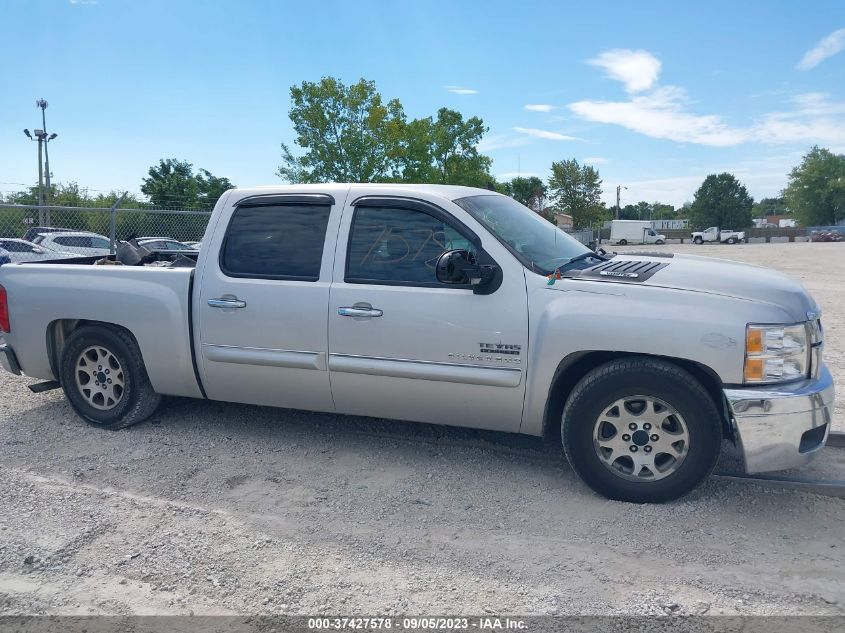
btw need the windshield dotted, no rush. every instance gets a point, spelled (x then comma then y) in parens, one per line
(536, 242)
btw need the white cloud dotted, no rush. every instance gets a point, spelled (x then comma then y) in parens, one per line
(638, 70)
(460, 90)
(510, 175)
(500, 141)
(596, 160)
(814, 118)
(83, 1)
(539, 107)
(661, 114)
(827, 47)
(544, 134)
(663, 111)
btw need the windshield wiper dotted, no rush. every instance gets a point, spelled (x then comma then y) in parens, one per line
(581, 257)
(584, 256)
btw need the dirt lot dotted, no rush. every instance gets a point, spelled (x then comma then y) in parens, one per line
(214, 508)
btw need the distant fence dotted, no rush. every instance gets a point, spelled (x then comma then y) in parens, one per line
(16, 220)
(585, 236)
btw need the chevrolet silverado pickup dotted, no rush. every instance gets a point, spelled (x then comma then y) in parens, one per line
(446, 305)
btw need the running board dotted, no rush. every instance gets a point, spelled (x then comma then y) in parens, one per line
(41, 387)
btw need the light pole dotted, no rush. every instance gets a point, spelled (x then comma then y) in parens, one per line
(43, 167)
(618, 190)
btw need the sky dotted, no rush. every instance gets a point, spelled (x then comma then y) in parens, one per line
(655, 95)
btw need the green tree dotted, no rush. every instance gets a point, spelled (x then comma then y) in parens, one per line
(347, 132)
(210, 188)
(816, 189)
(172, 183)
(721, 201)
(450, 152)
(769, 206)
(576, 190)
(533, 193)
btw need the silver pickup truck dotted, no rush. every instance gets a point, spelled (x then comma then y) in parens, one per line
(447, 305)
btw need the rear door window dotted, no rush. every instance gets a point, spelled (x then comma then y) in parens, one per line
(283, 241)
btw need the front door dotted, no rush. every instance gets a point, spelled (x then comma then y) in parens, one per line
(262, 304)
(402, 345)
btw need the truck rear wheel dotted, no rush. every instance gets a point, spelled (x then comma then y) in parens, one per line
(698, 240)
(731, 240)
(623, 242)
(104, 378)
(641, 430)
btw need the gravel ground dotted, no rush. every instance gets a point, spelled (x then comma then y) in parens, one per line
(213, 508)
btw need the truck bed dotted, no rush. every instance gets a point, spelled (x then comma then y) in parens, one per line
(152, 302)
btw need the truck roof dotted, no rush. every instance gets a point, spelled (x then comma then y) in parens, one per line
(447, 192)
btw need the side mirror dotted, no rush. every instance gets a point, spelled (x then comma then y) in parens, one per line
(460, 267)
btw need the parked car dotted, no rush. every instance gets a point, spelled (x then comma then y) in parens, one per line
(634, 232)
(34, 231)
(22, 251)
(163, 244)
(714, 234)
(446, 305)
(81, 243)
(4, 257)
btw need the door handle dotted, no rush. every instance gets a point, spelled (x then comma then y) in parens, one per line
(226, 303)
(359, 312)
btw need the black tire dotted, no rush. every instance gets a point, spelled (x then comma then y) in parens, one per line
(137, 400)
(698, 241)
(731, 240)
(623, 242)
(648, 377)
(660, 242)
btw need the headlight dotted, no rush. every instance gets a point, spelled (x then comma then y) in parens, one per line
(776, 353)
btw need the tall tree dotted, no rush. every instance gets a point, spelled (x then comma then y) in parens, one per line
(816, 190)
(576, 190)
(454, 157)
(172, 183)
(769, 206)
(347, 132)
(210, 188)
(532, 192)
(721, 201)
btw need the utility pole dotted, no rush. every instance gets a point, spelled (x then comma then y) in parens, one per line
(618, 190)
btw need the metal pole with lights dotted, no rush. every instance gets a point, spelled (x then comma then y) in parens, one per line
(43, 164)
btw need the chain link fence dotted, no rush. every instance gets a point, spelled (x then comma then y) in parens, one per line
(26, 221)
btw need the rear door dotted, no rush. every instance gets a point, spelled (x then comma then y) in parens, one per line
(402, 345)
(262, 302)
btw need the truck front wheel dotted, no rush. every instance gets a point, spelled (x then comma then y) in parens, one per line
(104, 378)
(641, 430)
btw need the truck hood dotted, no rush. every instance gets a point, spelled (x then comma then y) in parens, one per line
(704, 274)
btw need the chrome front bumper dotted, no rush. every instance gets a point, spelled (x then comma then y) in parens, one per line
(782, 426)
(8, 360)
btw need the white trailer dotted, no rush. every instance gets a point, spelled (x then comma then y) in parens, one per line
(634, 232)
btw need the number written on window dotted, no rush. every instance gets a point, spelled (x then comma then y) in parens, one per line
(395, 245)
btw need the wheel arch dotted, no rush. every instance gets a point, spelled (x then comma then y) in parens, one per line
(58, 332)
(575, 366)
